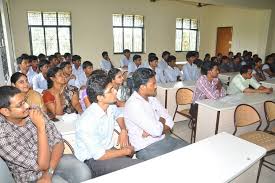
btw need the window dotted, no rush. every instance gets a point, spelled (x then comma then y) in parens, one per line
(50, 32)
(186, 34)
(128, 33)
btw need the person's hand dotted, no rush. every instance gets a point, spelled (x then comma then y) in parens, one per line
(46, 178)
(123, 139)
(219, 85)
(129, 151)
(37, 118)
(145, 134)
(269, 90)
(162, 120)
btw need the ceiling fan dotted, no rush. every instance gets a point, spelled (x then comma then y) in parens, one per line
(199, 5)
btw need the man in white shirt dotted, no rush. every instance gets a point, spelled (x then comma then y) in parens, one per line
(153, 64)
(95, 127)
(190, 70)
(147, 121)
(172, 73)
(25, 67)
(76, 66)
(39, 81)
(133, 66)
(162, 65)
(106, 64)
(126, 59)
(87, 67)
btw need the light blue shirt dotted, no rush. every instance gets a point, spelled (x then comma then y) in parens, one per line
(191, 72)
(105, 65)
(39, 83)
(171, 74)
(94, 131)
(125, 62)
(132, 67)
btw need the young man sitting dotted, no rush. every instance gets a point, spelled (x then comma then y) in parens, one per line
(95, 127)
(147, 121)
(153, 65)
(190, 70)
(133, 66)
(31, 146)
(172, 72)
(241, 82)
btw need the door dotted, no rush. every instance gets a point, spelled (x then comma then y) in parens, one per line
(224, 40)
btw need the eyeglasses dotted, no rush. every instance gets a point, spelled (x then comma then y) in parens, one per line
(21, 104)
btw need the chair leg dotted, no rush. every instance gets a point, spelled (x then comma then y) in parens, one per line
(259, 171)
(192, 131)
(175, 113)
(195, 129)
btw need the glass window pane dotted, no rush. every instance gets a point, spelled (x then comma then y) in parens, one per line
(186, 40)
(137, 40)
(64, 40)
(51, 40)
(117, 20)
(128, 20)
(178, 40)
(194, 24)
(64, 18)
(193, 40)
(128, 37)
(138, 21)
(179, 23)
(49, 18)
(38, 42)
(34, 18)
(186, 23)
(118, 37)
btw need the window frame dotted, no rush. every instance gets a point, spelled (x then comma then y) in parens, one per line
(132, 27)
(49, 26)
(182, 29)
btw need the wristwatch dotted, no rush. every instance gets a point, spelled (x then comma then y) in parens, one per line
(51, 171)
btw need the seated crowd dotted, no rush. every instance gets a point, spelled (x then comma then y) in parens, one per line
(45, 88)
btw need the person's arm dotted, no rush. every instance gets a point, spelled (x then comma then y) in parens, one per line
(123, 139)
(55, 106)
(268, 71)
(86, 101)
(110, 154)
(76, 104)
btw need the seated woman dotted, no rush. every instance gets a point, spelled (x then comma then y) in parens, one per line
(60, 98)
(20, 81)
(258, 73)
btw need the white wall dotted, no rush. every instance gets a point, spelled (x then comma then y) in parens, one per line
(92, 25)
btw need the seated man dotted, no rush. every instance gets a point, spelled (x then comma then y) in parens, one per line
(106, 64)
(172, 72)
(31, 146)
(133, 66)
(95, 127)
(147, 121)
(190, 70)
(241, 82)
(126, 59)
(153, 65)
(39, 81)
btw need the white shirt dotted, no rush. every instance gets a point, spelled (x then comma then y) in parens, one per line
(266, 66)
(105, 65)
(39, 83)
(125, 62)
(171, 74)
(78, 74)
(94, 131)
(82, 79)
(132, 67)
(141, 115)
(162, 65)
(191, 72)
(30, 75)
(159, 75)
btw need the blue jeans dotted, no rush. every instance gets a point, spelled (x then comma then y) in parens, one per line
(71, 170)
(5, 174)
(161, 147)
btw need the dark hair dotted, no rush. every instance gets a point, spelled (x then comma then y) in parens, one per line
(96, 85)
(76, 57)
(42, 63)
(152, 58)
(207, 66)
(67, 55)
(171, 58)
(126, 51)
(267, 58)
(224, 57)
(41, 56)
(87, 64)
(190, 54)
(151, 54)
(16, 76)
(258, 60)
(244, 69)
(21, 58)
(230, 52)
(165, 53)
(51, 57)
(51, 73)
(63, 65)
(135, 57)
(32, 57)
(113, 72)
(104, 53)
(6, 93)
(57, 53)
(141, 77)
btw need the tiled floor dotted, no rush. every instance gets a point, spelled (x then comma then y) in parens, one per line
(182, 130)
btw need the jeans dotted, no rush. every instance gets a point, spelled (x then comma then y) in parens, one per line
(102, 167)
(71, 170)
(5, 174)
(161, 147)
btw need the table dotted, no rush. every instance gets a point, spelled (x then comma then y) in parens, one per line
(217, 159)
(166, 94)
(227, 77)
(218, 115)
(269, 83)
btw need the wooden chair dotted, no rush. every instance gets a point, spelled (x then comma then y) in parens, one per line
(269, 109)
(184, 96)
(68, 147)
(246, 115)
